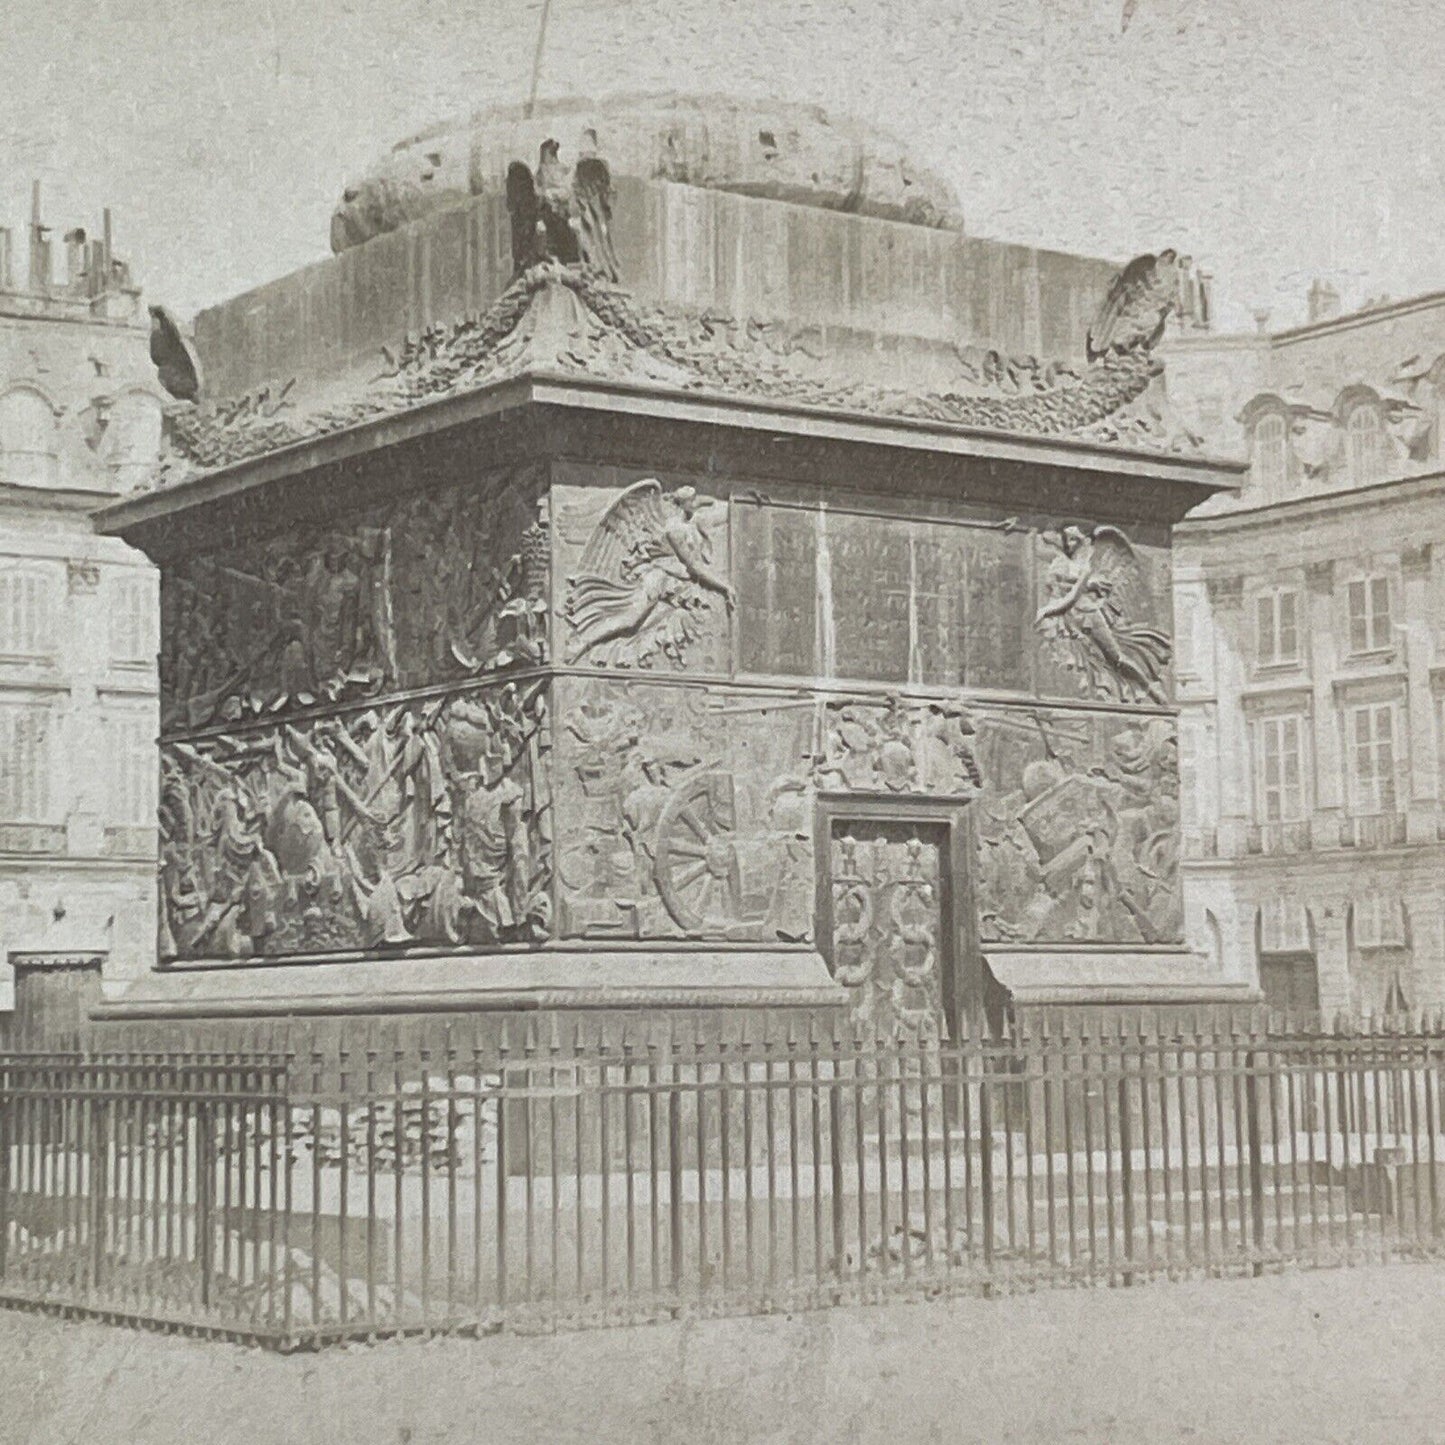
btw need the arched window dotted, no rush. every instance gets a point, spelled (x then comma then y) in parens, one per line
(1270, 455)
(1364, 444)
(27, 439)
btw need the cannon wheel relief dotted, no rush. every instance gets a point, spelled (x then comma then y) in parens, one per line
(696, 864)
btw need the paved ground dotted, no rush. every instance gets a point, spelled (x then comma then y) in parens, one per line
(1347, 1356)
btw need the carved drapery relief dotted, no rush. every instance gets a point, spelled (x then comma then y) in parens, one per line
(892, 746)
(683, 813)
(1078, 829)
(1103, 617)
(425, 822)
(437, 586)
(889, 944)
(647, 574)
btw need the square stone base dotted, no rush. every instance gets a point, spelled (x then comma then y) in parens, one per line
(547, 979)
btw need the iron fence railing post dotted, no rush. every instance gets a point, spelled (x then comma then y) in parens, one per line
(1256, 1160)
(1431, 1090)
(501, 1205)
(98, 1175)
(1126, 1164)
(674, 1169)
(205, 1187)
(5, 1142)
(985, 1154)
(6, 1083)
(835, 1160)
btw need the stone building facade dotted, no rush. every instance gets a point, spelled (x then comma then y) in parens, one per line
(1312, 656)
(80, 421)
(670, 580)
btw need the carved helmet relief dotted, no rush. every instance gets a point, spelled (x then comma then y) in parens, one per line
(896, 746)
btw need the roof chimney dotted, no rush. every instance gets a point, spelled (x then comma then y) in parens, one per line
(1324, 301)
(74, 258)
(39, 278)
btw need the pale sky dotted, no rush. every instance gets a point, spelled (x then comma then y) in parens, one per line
(1273, 140)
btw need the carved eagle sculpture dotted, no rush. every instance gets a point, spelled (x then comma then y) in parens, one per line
(1096, 590)
(561, 214)
(175, 359)
(1137, 307)
(643, 579)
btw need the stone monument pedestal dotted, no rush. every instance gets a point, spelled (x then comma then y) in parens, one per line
(609, 652)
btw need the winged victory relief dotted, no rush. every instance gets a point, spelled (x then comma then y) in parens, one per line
(1095, 591)
(644, 580)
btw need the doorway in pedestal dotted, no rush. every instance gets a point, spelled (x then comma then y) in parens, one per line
(890, 898)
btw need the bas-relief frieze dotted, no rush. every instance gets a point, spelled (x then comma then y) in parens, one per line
(1103, 617)
(688, 812)
(888, 745)
(425, 822)
(437, 586)
(647, 577)
(1077, 828)
(683, 812)
(652, 574)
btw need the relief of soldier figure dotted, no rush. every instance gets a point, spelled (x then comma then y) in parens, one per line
(418, 824)
(427, 589)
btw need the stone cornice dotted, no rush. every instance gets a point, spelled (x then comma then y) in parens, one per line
(566, 321)
(511, 400)
(1302, 510)
(1415, 561)
(1225, 591)
(1295, 697)
(57, 962)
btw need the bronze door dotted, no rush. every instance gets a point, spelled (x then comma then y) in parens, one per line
(888, 897)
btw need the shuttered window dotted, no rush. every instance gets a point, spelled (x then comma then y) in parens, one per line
(25, 773)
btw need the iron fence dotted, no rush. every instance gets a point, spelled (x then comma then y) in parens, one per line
(298, 1198)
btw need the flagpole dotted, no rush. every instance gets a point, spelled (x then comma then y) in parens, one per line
(537, 58)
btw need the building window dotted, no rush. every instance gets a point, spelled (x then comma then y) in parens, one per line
(1283, 926)
(1380, 961)
(27, 613)
(1277, 614)
(1287, 974)
(1271, 452)
(132, 620)
(1372, 755)
(1364, 444)
(133, 770)
(1379, 921)
(27, 439)
(24, 763)
(1281, 769)
(1370, 625)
